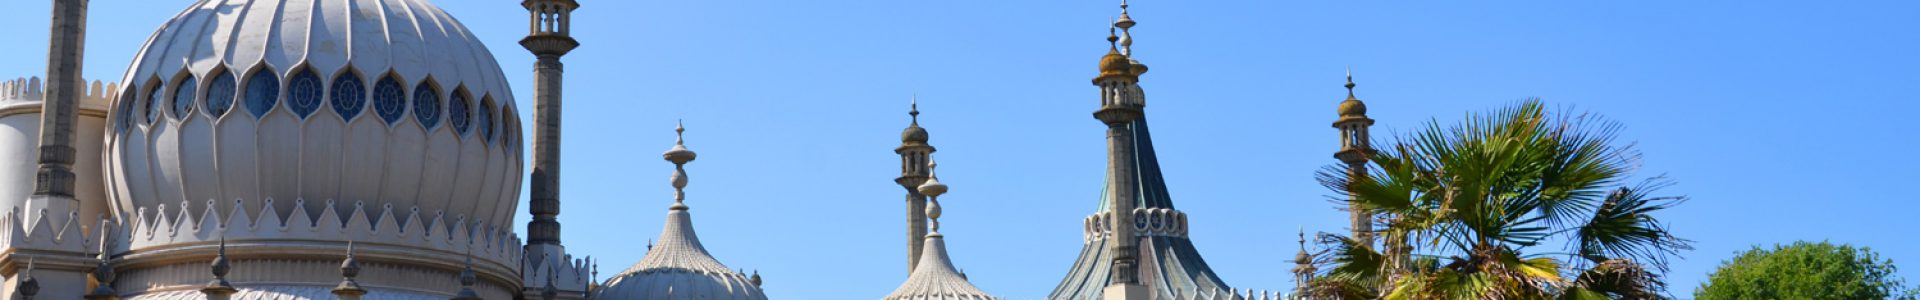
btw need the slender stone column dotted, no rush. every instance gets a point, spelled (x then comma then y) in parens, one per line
(54, 180)
(548, 39)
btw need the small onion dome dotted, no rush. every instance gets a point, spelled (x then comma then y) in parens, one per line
(914, 135)
(1352, 107)
(1115, 64)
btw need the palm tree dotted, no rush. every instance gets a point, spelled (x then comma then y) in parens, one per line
(1464, 210)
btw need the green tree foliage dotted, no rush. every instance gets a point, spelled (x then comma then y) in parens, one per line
(1465, 210)
(1805, 270)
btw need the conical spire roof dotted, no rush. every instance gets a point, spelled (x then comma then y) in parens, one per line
(678, 266)
(935, 278)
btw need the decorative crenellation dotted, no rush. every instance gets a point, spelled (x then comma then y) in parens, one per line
(41, 232)
(1165, 222)
(159, 227)
(32, 89)
(1218, 294)
(571, 276)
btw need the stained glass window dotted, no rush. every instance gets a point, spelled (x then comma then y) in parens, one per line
(183, 92)
(125, 119)
(485, 119)
(263, 91)
(389, 99)
(304, 93)
(426, 105)
(459, 111)
(220, 94)
(349, 96)
(155, 96)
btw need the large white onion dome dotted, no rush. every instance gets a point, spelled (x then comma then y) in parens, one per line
(679, 267)
(379, 121)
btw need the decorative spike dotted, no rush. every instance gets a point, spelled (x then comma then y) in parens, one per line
(28, 286)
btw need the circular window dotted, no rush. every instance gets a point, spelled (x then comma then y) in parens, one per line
(183, 97)
(389, 99)
(220, 94)
(263, 92)
(303, 93)
(426, 105)
(459, 112)
(349, 96)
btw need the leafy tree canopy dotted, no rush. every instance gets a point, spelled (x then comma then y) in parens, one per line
(1805, 270)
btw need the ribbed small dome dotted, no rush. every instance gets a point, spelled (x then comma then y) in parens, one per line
(914, 134)
(1115, 63)
(1352, 107)
(936, 279)
(679, 267)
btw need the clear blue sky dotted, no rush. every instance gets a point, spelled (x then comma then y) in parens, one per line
(1784, 120)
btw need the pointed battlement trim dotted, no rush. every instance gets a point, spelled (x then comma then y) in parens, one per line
(569, 275)
(24, 95)
(43, 231)
(154, 228)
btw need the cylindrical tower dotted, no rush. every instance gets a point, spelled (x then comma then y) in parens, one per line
(1354, 151)
(549, 39)
(914, 152)
(1120, 106)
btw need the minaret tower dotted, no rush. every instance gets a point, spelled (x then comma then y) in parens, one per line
(1303, 269)
(914, 152)
(1120, 105)
(1354, 150)
(548, 40)
(1136, 243)
(53, 181)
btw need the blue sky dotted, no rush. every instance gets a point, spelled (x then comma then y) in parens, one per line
(1783, 120)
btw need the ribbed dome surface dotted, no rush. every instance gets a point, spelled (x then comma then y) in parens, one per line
(679, 267)
(935, 278)
(390, 102)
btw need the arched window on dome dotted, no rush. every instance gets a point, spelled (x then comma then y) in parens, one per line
(155, 96)
(389, 99)
(183, 92)
(485, 119)
(460, 111)
(304, 93)
(263, 92)
(349, 95)
(426, 104)
(220, 94)
(124, 114)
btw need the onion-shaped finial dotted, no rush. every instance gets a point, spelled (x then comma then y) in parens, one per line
(28, 286)
(933, 187)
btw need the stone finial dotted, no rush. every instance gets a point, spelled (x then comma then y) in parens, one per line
(1125, 23)
(349, 268)
(913, 109)
(679, 156)
(756, 278)
(103, 272)
(28, 286)
(933, 187)
(467, 280)
(220, 267)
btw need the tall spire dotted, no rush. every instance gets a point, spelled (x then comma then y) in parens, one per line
(914, 153)
(1354, 150)
(549, 38)
(1113, 263)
